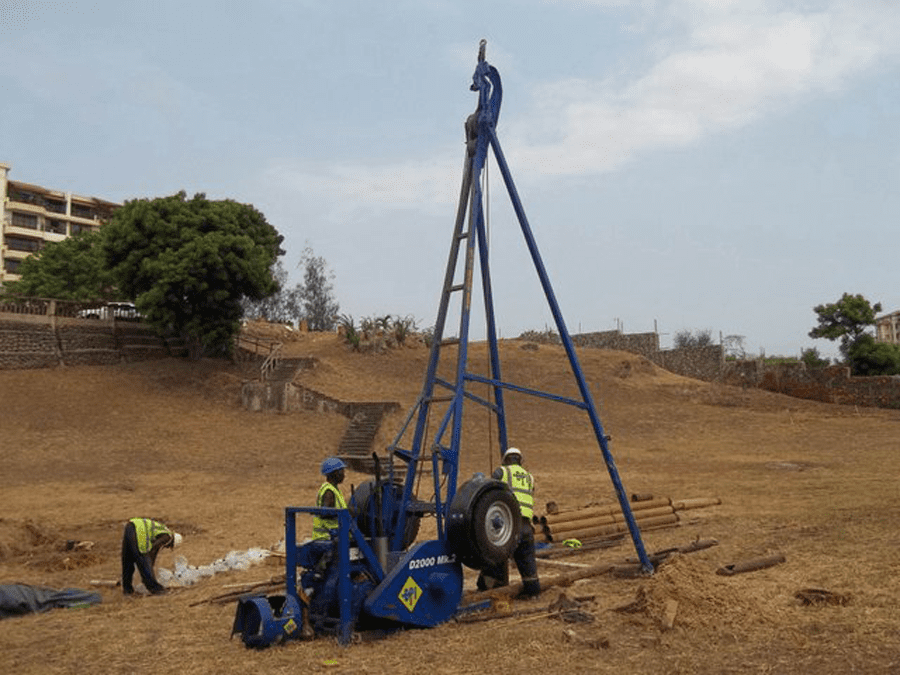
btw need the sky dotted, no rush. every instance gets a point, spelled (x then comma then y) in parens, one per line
(685, 165)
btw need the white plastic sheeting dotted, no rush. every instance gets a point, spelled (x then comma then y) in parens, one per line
(186, 574)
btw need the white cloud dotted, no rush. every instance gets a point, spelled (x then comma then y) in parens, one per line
(733, 67)
(413, 184)
(717, 65)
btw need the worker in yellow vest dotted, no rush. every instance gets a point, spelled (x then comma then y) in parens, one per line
(329, 496)
(521, 483)
(141, 543)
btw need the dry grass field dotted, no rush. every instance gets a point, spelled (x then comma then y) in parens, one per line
(84, 449)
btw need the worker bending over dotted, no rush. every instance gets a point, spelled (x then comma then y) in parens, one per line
(521, 483)
(141, 542)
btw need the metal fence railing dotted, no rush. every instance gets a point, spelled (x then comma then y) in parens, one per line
(14, 304)
(74, 309)
(267, 349)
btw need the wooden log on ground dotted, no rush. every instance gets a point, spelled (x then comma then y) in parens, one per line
(560, 563)
(750, 565)
(566, 579)
(659, 556)
(276, 585)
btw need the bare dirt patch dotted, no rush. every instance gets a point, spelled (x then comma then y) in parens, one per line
(84, 449)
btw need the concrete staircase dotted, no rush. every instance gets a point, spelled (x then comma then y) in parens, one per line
(279, 393)
(287, 369)
(356, 445)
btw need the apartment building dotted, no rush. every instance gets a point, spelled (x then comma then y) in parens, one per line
(31, 216)
(887, 328)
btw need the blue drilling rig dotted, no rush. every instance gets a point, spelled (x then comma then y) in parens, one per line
(379, 577)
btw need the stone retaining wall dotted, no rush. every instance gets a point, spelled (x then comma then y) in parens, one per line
(703, 363)
(833, 384)
(47, 341)
(645, 344)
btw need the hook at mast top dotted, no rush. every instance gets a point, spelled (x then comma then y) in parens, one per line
(481, 46)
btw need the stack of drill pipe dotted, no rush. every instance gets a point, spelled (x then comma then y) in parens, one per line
(605, 521)
(698, 503)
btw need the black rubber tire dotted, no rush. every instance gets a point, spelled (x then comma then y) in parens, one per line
(361, 502)
(494, 527)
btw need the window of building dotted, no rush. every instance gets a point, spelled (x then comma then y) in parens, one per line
(28, 220)
(55, 205)
(22, 243)
(55, 226)
(17, 194)
(78, 229)
(82, 211)
(11, 266)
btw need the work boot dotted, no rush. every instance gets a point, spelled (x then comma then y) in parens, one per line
(487, 582)
(530, 590)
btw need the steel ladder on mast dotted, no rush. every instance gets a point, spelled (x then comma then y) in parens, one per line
(470, 235)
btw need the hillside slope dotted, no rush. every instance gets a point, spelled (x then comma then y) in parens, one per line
(83, 449)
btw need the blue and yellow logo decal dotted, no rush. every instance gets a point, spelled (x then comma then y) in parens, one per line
(410, 594)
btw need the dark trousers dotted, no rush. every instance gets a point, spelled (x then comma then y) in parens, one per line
(131, 558)
(523, 556)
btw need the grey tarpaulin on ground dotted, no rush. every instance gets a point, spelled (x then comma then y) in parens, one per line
(18, 599)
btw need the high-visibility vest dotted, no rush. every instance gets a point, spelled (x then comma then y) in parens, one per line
(323, 525)
(522, 484)
(147, 530)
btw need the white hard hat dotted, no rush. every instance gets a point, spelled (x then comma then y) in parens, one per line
(512, 451)
(177, 539)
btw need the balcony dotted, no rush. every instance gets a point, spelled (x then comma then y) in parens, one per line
(13, 254)
(12, 230)
(53, 236)
(23, 207)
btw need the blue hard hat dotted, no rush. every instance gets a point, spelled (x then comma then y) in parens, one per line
(332, 464)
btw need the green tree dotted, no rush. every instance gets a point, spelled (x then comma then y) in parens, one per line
(283, 306)
(320, 308)
(71, 269)
(847, 319)
(188, 263)
(813, 359)
(868, 357)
